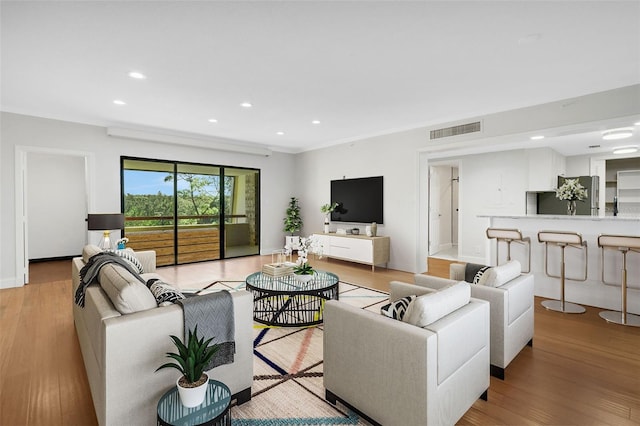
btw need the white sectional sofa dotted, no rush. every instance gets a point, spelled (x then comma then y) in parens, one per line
(121, 351)
(396, 373)
(512, 307)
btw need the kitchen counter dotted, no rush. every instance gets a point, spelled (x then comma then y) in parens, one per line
(593, 291)
(565, 217)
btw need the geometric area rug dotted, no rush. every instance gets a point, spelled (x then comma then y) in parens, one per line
(287, 383)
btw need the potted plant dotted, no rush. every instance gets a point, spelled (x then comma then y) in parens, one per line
(327, 209)
(292, 223)
(303, 271)
(191, 361)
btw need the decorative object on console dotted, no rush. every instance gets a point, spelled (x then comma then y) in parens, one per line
(191, 360)
(374, 229)
(105, 222)
(572, 191)
(327, 209)
(121, 244)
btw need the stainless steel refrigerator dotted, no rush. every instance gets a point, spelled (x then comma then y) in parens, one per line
(549, 204)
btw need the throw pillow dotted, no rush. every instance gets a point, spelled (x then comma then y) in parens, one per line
(500, 275)
(164, 293)
(477, 279)
(130, 257)
(397, 309)
(429, 308)
(125, 291)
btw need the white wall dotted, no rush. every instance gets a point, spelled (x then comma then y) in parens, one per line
(57, 205)
(277, 173)
(392, 156)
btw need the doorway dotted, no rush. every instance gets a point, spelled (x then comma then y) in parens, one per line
(52, 197)
(444, 182)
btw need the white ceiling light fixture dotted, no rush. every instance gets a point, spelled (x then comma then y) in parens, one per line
(629, 149)
(212, 120)
(137, 75)
(315, 122)
(537, 138)
(279, 133)
(615, 134)
(246, 105)
(119, 102)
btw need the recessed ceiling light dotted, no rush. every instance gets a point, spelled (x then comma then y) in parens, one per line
(137, 75)
(315, 122)
(636, 123)
(212, 120)
(630, 149)
(614, 134)
(119, 102)
(279, 133)
(246, 105)
(537, 138)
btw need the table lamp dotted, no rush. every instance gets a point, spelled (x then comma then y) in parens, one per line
(105, 222)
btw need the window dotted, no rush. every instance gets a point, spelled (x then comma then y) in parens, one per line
(184, 213)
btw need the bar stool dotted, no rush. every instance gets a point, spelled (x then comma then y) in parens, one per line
(563, 239)
(624, 244)
(508, 236)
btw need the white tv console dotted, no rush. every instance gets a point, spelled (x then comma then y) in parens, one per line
(356, 248)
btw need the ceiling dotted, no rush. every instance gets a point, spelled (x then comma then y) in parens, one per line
(360, 68)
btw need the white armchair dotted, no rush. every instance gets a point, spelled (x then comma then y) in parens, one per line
(512, 307)
(395, 373)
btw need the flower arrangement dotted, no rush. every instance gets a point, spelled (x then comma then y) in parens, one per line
(571, 190)
(306, 245)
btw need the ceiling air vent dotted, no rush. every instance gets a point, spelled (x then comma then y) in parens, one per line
(455, 130)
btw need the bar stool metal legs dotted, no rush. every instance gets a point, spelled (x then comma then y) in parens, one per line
(508, 236)
(624, 244)
(563, 240)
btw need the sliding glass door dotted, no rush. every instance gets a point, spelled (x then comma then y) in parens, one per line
(186, 211)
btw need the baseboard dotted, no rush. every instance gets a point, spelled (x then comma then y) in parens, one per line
(10, 283)
(53, 259)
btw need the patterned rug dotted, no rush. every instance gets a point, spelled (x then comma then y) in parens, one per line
(287, 383)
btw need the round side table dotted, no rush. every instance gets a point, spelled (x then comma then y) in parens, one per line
(213, 411)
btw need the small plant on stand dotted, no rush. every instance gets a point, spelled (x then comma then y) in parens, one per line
(327, 209)
(292, 222)
(191, 360)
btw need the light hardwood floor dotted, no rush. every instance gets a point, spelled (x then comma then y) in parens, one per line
(580, 370)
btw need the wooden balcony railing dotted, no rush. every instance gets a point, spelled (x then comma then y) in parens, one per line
(196, 242)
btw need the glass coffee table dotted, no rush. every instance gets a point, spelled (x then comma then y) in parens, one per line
(213, 411)
(286, 302)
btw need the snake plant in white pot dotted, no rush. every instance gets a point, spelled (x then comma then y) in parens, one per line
(191, 361)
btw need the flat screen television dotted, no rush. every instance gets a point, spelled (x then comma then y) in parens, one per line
(359, 200)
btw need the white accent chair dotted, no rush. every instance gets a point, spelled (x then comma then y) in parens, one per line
(395, 373)
(512, 307)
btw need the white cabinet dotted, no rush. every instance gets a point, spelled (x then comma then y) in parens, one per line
(629, 192)
(545, 165)
(356, 248)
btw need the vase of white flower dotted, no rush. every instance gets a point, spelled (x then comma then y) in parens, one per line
(571, 191)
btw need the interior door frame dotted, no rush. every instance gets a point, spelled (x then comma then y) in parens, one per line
(21, 199)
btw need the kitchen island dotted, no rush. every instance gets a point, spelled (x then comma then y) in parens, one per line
(593, 291)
